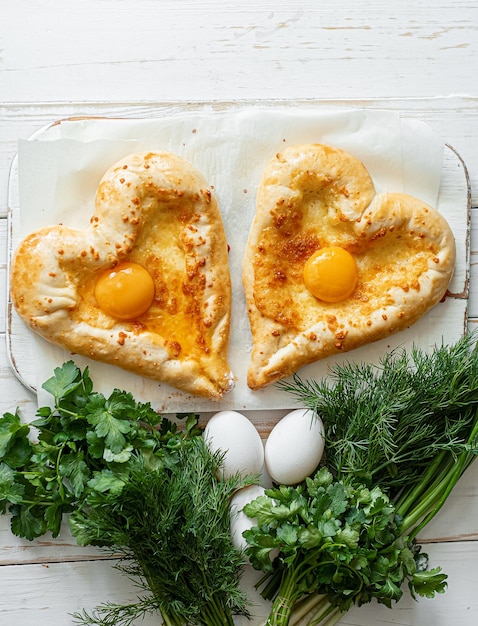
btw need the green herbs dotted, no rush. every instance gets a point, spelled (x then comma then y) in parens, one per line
(409, 425)
(132, 482)
(398, 437)
(384, 424)
(336, 540)
(84, 445)
(172, 525)
(406, 429)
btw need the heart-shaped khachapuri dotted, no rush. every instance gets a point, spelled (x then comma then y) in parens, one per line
(331, 266)
(145, 286)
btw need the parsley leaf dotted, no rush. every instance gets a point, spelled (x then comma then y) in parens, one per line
(428, 583)
(26, 523)
(14, 446)
(66, 380)
(11, 492)
(109, 424)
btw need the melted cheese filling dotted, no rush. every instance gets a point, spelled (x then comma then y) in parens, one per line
(176, 315)
(396, 258)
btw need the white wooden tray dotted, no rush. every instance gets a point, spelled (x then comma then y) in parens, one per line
(446, 321)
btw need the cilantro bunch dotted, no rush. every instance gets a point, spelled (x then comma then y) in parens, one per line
(398, 438)
(134, 483)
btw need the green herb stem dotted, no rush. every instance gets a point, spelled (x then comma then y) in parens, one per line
(35, 503)
(270, 583)
(322, 613)
(168, 621)
(333, 617)
(61, 409)
(213, 614)
(284, 601)
(410, 496)
(59, 478)
(305, 609)
(421, 514)
(290, 592)
(281, 610)
(324, 610)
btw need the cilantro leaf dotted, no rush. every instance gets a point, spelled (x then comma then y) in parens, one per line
(287, 534)
(263, 509)
(310, 537)
(348, 536)
(337, 499)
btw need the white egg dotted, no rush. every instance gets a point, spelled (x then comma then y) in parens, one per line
(236, 436)
(239, 520)
(294, 447)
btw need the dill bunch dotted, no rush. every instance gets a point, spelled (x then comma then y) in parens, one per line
(172, 523)
(385, 423)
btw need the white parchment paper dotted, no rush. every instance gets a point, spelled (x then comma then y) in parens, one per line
(59, 172)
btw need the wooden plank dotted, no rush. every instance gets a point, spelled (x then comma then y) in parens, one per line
(213, 50)
(13, 393)
(15, 550)
(47, 593)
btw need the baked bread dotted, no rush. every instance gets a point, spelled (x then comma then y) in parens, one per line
(314, 199)
(155, 212)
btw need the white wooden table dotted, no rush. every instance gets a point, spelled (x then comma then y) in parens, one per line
(130, 59)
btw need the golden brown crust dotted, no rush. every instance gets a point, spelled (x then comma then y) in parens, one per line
(313, 196)
(154, 209)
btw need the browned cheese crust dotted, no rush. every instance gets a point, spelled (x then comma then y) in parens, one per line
(157, 210)
(313, 196)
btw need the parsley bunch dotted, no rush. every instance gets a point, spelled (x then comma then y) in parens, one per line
(131, 482)
(340, 541)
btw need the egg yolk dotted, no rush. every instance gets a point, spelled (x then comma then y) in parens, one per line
(125, 292)
(331, 274)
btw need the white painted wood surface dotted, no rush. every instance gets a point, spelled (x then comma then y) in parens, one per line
(118, 58)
